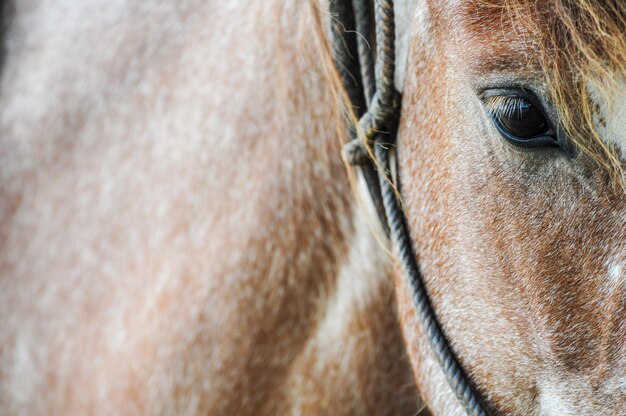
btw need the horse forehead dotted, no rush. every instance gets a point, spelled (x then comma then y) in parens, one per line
(486, 36)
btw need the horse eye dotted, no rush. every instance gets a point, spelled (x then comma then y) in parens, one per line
(520, 121)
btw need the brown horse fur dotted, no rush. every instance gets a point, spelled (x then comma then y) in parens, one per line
(523, 252)
(179, 234)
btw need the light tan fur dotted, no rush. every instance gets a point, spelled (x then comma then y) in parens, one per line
(178, 231)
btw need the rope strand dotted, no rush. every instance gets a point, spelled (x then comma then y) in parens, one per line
(379, 124)
(457, 380)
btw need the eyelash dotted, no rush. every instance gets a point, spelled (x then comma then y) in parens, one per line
(503, 105)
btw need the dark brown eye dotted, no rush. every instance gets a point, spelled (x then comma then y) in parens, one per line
(524, 120)
(520, 121)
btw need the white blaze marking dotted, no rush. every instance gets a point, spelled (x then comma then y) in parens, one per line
(616, 279)
(614, 116)
(551, 402)
(616, 276)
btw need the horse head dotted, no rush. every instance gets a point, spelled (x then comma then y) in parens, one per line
(510, 153)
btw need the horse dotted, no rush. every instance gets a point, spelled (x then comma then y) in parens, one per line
(180, 233)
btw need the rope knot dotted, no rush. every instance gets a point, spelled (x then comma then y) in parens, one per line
(381, 118)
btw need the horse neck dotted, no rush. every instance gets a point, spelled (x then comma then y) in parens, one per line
(335, 272)
(234, 213)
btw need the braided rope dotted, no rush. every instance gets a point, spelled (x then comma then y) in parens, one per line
(347, 50)
(379, 124)
(426, 314)
(384, 105)
(385, 59)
